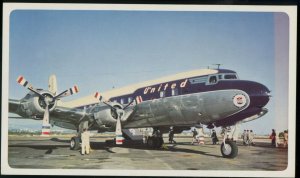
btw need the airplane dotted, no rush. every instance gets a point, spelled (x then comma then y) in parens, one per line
(211, 97)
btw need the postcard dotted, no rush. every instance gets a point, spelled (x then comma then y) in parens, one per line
(148, 90)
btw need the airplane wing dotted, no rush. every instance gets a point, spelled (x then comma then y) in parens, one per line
(62, 116)
(13, 105)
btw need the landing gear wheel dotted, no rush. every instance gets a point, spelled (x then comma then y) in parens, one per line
(150, 142)
(154, 142)
(159, 142)
(229, 150)
(75, 143)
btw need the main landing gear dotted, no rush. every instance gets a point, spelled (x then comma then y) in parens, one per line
(75, 143)
(156, 140)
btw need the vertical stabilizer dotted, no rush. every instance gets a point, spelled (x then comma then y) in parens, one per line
(52, 85)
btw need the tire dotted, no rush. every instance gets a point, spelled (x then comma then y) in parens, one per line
(75, 143)
(231, 151)
(160, 142)
(150, 142)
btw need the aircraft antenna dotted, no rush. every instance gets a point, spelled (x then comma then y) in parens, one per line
(217, 65)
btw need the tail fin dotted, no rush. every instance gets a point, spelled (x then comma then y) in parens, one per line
(52, 85)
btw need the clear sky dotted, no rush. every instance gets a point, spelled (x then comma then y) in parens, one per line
(98, 50)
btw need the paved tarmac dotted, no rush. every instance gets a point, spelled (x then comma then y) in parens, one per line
(39, 152)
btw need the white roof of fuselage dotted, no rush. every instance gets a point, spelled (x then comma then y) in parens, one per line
(131, 88)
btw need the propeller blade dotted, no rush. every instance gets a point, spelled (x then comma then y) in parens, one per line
(119, 135)
(46, 125)
(59, 95)
(23, 82)
(52, 84)
(128, 104)
(98, 96)
(68, 92)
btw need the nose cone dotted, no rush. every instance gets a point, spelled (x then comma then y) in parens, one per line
(259, 94)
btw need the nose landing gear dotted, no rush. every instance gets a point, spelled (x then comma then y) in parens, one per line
(229, 148)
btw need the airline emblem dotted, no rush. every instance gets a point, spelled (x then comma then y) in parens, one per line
(239, 100)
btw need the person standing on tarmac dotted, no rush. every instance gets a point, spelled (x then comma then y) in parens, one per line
(195, 133)
(285, 139)
(85, 142)
(244, 137)
(273, 138)
(214, 137)
(171, 136)
(251, 137)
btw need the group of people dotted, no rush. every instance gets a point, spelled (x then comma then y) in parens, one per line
(274, 140)
(247, 137)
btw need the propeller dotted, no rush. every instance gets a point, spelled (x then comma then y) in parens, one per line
(118, 114)
(47, 99)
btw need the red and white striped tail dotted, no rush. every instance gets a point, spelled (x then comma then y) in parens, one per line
(138, 99)
(45, 130)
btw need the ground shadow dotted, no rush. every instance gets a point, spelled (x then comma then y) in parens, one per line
(141, 146)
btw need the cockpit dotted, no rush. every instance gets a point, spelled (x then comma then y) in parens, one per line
(226, 76)
(214, 78)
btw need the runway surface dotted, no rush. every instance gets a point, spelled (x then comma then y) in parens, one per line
(39, 152)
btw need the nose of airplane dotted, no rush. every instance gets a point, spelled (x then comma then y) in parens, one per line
(259, 94)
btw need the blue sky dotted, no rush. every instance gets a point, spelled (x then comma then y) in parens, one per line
(98, 50)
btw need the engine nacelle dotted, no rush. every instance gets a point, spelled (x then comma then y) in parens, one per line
(34, 105)
(104, 115)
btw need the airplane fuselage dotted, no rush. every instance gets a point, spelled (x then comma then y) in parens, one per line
(220, 99)
(213, 97)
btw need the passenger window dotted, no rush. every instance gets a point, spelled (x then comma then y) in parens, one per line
(162, 94)
(122, 101)
(212, 80)
(174, 91)
(129, 99)
(220, 76)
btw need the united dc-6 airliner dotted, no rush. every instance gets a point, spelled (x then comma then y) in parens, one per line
(212, 97)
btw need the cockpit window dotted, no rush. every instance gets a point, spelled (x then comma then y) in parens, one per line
(230, 76)
(212, 80)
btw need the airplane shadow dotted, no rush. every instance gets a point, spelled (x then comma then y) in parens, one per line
(108, 147)
(173, 149)
(170, 148)
(59, 140)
